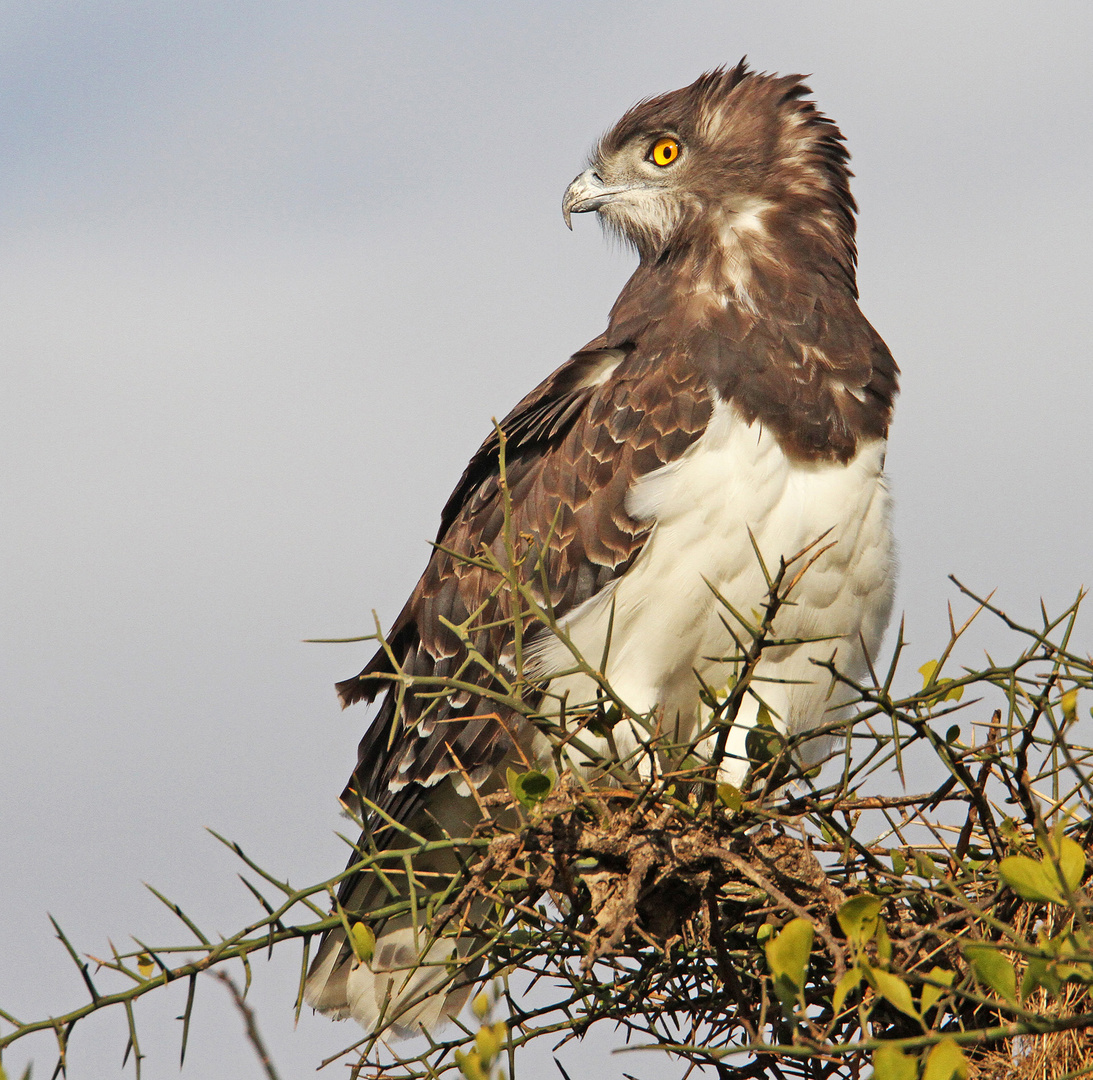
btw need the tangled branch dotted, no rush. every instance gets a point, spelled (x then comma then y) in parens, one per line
(810, 924)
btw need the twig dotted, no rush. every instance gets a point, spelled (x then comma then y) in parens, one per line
(250, 1022)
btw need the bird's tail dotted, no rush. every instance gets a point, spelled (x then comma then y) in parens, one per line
(414, 977)
(412, 982)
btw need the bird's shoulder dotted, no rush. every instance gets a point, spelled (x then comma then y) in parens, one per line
(554, 472)
(574, 423)
(800, 357)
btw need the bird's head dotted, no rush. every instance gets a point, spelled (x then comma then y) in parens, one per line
(739, 154)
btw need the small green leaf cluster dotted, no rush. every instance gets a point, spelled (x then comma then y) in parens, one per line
(872, 965)
(945, 689)
(942, 1061)
(482, 1061)
(1050, 879)
(1054, 959)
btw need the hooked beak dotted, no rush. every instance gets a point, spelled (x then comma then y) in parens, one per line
(587, 192)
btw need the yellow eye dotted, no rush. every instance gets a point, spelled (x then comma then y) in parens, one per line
(664, 152)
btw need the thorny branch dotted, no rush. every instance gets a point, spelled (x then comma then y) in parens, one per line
(949, 917)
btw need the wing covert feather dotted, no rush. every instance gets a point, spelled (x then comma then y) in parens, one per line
(573, 448)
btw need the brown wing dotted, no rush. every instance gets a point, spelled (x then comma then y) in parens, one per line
(574, 447)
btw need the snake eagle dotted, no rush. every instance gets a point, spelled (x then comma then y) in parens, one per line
(737, 390)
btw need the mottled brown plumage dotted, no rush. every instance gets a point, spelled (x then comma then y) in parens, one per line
(572, 453)
(745, 294)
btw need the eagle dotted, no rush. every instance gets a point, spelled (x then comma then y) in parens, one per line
(737, 403)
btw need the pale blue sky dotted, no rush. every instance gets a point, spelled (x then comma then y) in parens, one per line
(266, 272)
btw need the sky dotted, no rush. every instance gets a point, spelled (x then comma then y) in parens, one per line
(267, 270)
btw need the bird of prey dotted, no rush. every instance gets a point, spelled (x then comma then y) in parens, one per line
(737, 401)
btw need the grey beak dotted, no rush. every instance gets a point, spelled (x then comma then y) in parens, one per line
(587, 192)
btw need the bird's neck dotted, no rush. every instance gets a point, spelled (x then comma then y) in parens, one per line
(777, 333)
(749, 263)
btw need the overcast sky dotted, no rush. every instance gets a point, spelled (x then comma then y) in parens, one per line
(266, 272)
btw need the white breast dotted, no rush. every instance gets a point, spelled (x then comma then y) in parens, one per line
(667, 622)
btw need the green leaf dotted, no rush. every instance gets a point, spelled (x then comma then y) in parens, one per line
(931, 995)
(1069, 704)
(946, 1062)
(604, 721)
(763, 742)
(891, 1063)
(899, 864)
(531, 787)
(470, 1064)
(858, 918)
(730, 796)
(1071, 861)
(1029, 879)
(884, 943)
(893, 989)
(363, 941)
(850, 981)
(928, 671)
(993, 970)
(925, 866)
(787, 958)
(1068, 945)
(1039, 973)
(489, 1040)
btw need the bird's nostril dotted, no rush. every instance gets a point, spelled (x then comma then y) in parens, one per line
(596, 176)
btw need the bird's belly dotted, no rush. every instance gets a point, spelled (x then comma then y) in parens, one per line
(666, 620)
